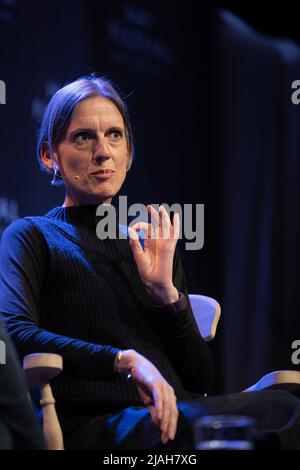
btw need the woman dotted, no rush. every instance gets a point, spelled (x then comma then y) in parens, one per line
(110, 307)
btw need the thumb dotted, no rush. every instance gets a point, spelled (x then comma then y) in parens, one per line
(134, 241)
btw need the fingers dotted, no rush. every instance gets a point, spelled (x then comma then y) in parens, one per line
(158, 403)
(134, 241)
(155, 221)
(161, 223)
(167, 408)
(166, 227)
(143, 226)
(160, 226)
(133, 234)
(176, 226)
(173, 422)
(164, 410)
(157, 395)
(169, 418)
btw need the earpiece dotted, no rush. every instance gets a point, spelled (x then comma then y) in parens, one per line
(57, 174)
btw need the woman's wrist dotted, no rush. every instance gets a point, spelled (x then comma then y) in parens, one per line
(125, 361)
(163, 295)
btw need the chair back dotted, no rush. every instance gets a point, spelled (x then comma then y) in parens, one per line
(207, 313)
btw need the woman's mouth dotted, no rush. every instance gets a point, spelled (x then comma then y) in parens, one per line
(103, 174)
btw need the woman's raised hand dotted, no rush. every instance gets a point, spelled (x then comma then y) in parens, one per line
(155, 260)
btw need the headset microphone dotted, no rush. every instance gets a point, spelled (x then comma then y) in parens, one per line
(58, 175)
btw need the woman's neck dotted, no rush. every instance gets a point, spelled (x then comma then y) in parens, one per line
(72, 201)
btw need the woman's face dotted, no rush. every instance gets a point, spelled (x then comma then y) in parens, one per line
(94, 154)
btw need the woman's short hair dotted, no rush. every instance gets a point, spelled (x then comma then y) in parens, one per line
(61, 106)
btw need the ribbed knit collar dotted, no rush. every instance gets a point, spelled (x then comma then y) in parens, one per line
(76, 215)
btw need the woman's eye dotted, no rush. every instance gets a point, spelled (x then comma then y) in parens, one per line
(115, 135)
(82, 137)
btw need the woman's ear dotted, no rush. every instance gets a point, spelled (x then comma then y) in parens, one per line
(46, 156)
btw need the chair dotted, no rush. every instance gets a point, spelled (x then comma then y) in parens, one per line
(40, 368)
(207, 314)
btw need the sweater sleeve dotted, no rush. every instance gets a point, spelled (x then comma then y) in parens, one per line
(23, 261)
(187, 350)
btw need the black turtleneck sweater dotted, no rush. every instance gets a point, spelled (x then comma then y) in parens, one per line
(65, 291)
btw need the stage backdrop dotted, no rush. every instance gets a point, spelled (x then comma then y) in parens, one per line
(259, 170)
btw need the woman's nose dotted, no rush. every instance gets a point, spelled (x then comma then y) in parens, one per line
(101, 152)
(100, 158)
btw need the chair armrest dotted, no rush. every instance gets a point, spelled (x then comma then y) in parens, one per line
(40, 368)
(282, 379)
